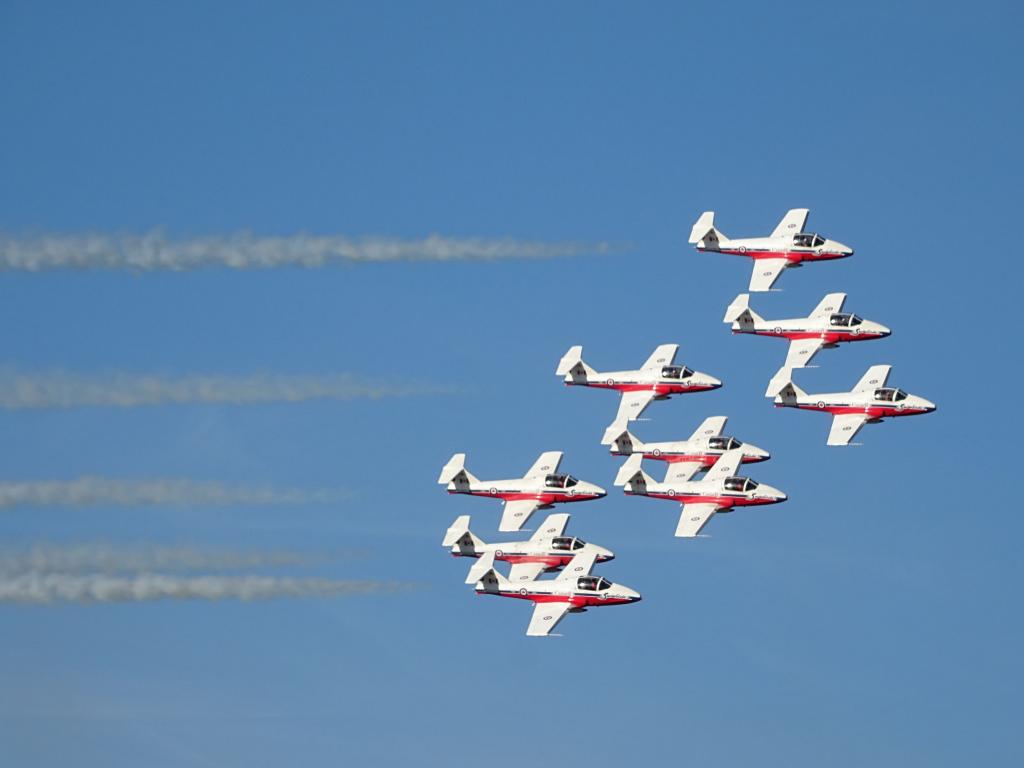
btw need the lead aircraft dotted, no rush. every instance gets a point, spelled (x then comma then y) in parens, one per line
(719, 491)
(787, 246)
(541, 487)
(825, 328)
(700, 451)
(547, 550)
(658, 379)
(868, 402)
(573, 591)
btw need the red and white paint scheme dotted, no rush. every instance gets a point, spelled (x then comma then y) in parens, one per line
(658, 379)
(787, 246)
(868, 402)
(825, 328)
(574, 591)
(719, 491)
(541, 487)
(549, 549)
(691, 456)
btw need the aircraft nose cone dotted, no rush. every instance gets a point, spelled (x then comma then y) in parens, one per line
(598, 491)
(633, 595)
(606, 554)
(713, 382)
(759, 454)
(883, 330)
(928, 405)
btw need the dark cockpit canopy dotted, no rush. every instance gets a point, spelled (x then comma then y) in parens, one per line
(675, 372)
(808, 240)
(593, 583)
(567, 543)
(740, 484)
(560, 481)
(723, 443)
(844, 320)
(890, 395)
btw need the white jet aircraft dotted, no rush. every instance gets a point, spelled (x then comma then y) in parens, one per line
(869, 402)
(573, 591)
(547, 550)
(719, 491)
(787, 246)
(658, 379)
(825, 328)
(699, 452)
(541, 487)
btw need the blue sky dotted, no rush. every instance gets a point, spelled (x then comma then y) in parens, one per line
(870, 619)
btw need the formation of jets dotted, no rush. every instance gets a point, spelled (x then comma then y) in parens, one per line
(720, 457)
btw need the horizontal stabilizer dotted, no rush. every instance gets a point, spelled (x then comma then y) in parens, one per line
(569, 359)
(629, 468)
(480, 567)
(455, 530)
(455, 465)
(705, 224)
(740, 312)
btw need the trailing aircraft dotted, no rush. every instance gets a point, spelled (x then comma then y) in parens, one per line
(868, 402)
(787, 246)
(573, 591)
(539, 488)
(658, 379)
(718, 491)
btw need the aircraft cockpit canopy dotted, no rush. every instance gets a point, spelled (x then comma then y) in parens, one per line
(890, 395)
(567, 543)
(723, 443)
(741, 484)
(808, 240)
(560, 481)
(592, 583)
(675, 372)
(844, 320)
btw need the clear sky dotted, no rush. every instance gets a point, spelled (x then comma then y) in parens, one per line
(874, 618)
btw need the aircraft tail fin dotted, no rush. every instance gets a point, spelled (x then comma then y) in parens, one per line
(740, 314)
(626, 443)
(783, 388)
(492, 581)
(481, 567)
(704, 234)
(454, 473)
(459, 535)
(631, 475)
(572, 366)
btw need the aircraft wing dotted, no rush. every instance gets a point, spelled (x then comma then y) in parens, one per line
(681, 471)
(545, 465)
(632, 405)
(663, 355)
(692, 518)
(516, 513)
(580, 565)
(832, 302)
(524, 572)
(876, 376)
(726, 465)
(792, 223)
(553, 525)
(766, 272)
(546, 617)
(712, 426)
(801, 351)
(845, 427)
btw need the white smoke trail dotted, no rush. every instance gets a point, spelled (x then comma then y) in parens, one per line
(100, 557)
(58, 389)
(92, 491)
(153, 251)
(48, 588)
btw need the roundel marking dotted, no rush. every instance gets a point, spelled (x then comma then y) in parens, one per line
(778, 329)
(671, 491)
(547, 618)
(656, 452)
(742, 249)
(610, 382)
(522, 590)
(498, 553)
(494, 491)
(821, 403)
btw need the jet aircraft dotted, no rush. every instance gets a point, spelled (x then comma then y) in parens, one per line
(573, 591)
(541, 487)
(787, 246)
(547, 550)
(868, 402)
(690, 456)
(719, 491)
(825, 328)
(658, 379)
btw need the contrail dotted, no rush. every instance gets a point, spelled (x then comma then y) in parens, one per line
(48, 588)
(103, 558)
(154, 251)
(59, 389)
(93, 491)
